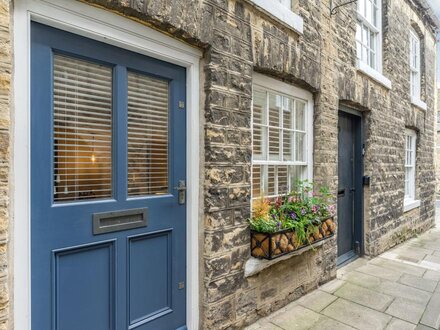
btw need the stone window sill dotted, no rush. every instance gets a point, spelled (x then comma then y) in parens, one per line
(409, 205)
(282, 14)
(373, 74)
(419, 103)
(254, 266)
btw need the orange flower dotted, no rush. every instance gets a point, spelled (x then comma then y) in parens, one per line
(261, 208)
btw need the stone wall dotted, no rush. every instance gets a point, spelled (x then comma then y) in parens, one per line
(237, 39)
(437, 147)
(5, 157)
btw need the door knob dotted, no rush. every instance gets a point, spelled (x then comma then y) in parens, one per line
(181, 189)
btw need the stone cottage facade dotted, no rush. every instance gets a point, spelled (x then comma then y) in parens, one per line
(376, 63)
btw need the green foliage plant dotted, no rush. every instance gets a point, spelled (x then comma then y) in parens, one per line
(301, 210)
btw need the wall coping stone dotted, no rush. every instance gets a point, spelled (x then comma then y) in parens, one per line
(254, 265)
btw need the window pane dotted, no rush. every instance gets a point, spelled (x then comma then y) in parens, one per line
(259, 142)
(287, 113)
(259, 132)
(274, 110)
(300, 118)
(147, 135)
(271, 190)
(299, 147)
(296, 173)
(288, 145)
(259, 108)
(283, 180)
(274, 143)
(368, 14)
(82, 96)
(257, 190)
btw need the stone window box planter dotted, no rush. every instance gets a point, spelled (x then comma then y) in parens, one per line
(274, 245)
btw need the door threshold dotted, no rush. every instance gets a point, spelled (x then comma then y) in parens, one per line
(346, 258)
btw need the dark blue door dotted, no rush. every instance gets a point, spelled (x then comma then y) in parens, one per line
(107, 151)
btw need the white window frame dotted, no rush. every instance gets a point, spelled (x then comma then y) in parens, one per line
(410, 201)
(363, 21)
(415, 77)
(363, 65)
(277, 9)
(267, 84)
(108, 27)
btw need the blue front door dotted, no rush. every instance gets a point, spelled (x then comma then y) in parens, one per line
(108, 150)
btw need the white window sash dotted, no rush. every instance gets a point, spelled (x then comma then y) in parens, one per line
(410, 165)
(415, 68)
(269, 86)
(377, 30)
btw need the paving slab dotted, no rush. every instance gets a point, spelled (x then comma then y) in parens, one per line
(317, 300)
(263, 325)
(364, 280)
(364, 297)
(432, 258)
(432, 275)
(424, 327)
(397, 324)
(359, 262)
(431, 317)
(385, 273)
(296, 318)
(404, 291)
(399, 266)
(419, 283)
(326, 323)
(357, 316)
(435, 246)
(332, 286)
(407, 310)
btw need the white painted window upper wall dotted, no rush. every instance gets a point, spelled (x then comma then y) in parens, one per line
(369, 33)
(410, 165)
(414, 61)
(282, 132)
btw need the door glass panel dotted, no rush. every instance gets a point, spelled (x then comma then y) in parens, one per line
(82, 105)
(147, 135)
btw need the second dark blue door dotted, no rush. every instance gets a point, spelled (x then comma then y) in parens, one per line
(107, 152)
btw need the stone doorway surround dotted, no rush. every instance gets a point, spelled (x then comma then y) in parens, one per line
(399, 290)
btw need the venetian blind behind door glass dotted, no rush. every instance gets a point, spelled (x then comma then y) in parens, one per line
(147, 135)
(82, 96)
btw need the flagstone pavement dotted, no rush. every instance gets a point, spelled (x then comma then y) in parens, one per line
(398, 290)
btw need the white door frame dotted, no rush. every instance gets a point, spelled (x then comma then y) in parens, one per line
(108, 27)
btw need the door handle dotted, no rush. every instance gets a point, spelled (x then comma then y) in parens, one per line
(341, 192)
(181, 189)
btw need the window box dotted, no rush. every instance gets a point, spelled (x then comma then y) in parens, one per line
(275, 245)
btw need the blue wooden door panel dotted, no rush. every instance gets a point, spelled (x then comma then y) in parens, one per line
(84, 278)
(120, 280)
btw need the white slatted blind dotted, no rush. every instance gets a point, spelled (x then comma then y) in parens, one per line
(82, 96)
(147, 135)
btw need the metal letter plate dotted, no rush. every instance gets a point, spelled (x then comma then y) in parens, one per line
(108, 222)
